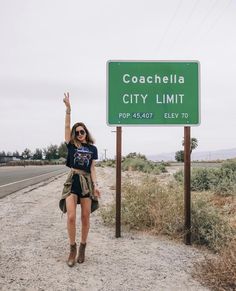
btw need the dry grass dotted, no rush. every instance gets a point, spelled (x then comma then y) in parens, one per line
(157, 207)
(211, 225)
(151, 206)
(219, 273)
(148, 203)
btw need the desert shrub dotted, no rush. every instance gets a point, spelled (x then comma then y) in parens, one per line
(99, 164)
(219, 180)
(142, 165)
(149, 206)
(108, 214)
(179, 176)
(133, 164)
(200, 179)
(209, 226)
(166, 164)
(231, 165)
(162, 167)
(218, 273)
(225, 182)
(106, 163)
(136, 155)
(160, 209)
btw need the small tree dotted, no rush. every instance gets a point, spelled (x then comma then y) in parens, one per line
(131, 155)
(26, 153)
(38, 154)
(62, 150)
(2, 154)
(193, 144)
(135, 155)
(16, 154)
(51, 152)
(179, 156)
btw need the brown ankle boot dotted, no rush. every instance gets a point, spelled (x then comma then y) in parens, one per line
(72, 255)
(81, 255)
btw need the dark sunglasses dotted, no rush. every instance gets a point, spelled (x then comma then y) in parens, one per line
(80, 132)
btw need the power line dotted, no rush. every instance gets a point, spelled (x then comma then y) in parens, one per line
(169, 26)
(185, 23)
(197, 36)
(217, 18)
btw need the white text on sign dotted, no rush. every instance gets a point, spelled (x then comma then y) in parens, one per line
(160, 99)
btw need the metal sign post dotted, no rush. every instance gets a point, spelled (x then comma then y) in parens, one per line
(118, 180)
(187, 186)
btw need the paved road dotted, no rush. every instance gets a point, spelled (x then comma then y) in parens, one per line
(13, 179)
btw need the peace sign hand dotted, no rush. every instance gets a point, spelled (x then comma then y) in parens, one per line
(66, 100)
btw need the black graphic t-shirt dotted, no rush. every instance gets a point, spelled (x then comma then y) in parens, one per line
(81, 158)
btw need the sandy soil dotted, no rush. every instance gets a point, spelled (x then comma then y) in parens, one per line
(34, 248)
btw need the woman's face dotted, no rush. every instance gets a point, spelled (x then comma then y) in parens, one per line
(80, 134)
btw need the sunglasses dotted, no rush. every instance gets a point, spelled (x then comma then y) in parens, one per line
(80, 132)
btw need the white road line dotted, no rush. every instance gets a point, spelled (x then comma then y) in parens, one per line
(28, 179)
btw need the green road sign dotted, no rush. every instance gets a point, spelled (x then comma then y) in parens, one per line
(153, 93)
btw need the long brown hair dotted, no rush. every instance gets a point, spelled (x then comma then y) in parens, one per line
(74, 140)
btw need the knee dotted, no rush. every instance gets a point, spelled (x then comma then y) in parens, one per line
(71, 218)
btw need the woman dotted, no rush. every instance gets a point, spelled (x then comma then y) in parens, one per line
(83, 187)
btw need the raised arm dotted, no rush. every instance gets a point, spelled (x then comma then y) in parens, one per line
(67, 118)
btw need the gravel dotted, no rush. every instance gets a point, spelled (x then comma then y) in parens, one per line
(34, 247)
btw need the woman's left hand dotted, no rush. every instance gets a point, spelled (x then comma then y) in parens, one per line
(96, 192)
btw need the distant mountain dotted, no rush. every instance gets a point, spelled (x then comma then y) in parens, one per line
(206, 155)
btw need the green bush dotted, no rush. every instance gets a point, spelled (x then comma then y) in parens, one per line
(231, 165)
(179, 176)
(110, 163)
(209, 226)
(142, 165)
(106, 163)
(135, 164)
(162, 167)
(219, 180)
(200, 180)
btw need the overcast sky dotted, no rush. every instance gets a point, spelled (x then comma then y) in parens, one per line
(51, 47)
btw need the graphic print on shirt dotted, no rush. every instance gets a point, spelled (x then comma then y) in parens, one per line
(82, 156)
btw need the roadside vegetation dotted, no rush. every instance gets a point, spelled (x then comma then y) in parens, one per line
(220, 180)
(137, 162)
(106, 163)
(51, 155)
(148, 204)
(179, 155)
(219, 273)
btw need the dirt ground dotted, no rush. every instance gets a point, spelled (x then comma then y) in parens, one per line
(34, 248)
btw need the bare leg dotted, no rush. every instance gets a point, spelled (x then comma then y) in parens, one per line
(85, 215)
(71, 203)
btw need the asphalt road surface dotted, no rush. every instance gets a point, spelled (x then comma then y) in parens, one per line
(13, 179)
